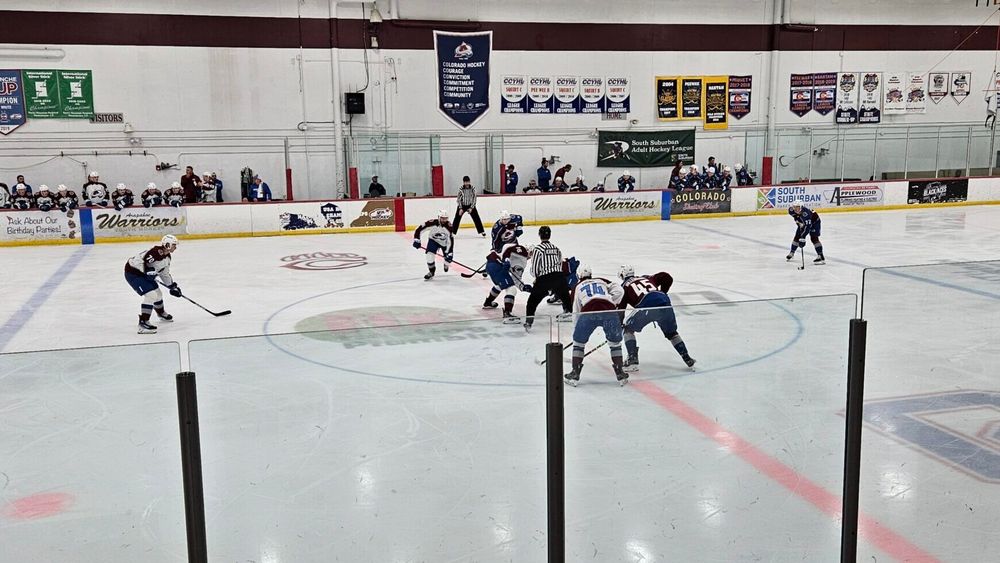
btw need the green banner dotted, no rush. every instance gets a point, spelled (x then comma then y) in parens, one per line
(41, 93)
(76, 92)
(645, 149)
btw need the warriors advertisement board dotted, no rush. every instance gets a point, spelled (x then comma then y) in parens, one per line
(612, 205)
(138, 222)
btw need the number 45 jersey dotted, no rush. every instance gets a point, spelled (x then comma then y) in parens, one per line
(647, 291)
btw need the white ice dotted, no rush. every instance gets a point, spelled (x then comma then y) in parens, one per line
(427, 443)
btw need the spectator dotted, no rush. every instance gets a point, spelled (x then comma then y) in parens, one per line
(559, 185)
(544, 175)
(578, 185)
(466, 201)
(4, 196)
(151, 196)
(678, 182)
(259, 191)
(693, 180)
(676, 172)
(743, 177)
(561, 173)
(21, 199)
(207, 192)
(174, 196)
(626, 182)
(66, 199)
(510, 183)
(94, 183)
(20, 180)
(726, 179)
(191, 184)
(45, 200)
(532, 186)
(218, 188)
(376, 189)
(122, 197)
(711, 164)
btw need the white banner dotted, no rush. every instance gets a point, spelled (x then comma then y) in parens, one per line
(592, 94)
(821, 195)
(138, 222)
(27, 226)
(567, 93)
(618, 93)
(540, 94)
(629, 204)
(960, 84)
(916, 93)
(894, 102)
(323, 215)
(937, 87)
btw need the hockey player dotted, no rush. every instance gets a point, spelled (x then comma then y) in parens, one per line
(743, 177)
(207, 194)
(626, 183)
(4, 196)
(710, 179)
(151, 196)
(679, 182)
(141, 272)
(21, 199)
(569, 267)
(648, 296)
(439, 237)
(45, 200)
(66, 199)
(807, 222)
(122, 197)
(506, 230)
(95, 192)
(726, 179)
(595, 300)
(506, 269)
(175, 195)
(693, 179)
(579, 185)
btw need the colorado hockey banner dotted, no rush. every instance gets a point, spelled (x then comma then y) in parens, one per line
(847, 98)
(540, 94)
(894, 102)
(800, 92)
(463, 73)
(666, 98)
(937, 86)
(12, 114)
(592, 94)
(567, 94)
(645, 149)
(715, 102)
(618, 95)
(871, 98)
(916, 93)
(824, 92)
(514, 96)
(692, 100)
(960, 82)
(739, 96)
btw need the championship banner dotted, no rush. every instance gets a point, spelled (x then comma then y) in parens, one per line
(514, 97)
(937, 87)
(871, 98)
(692, 99)
(38, 225)
(463, 75)
(138, 222)
(739, 96)
(540, 94)
(567, 94)
(666, 98)
(916, 93)
(12, 114)
(894, 102)
(821, 195)
(800, 94)
(76, 94)
(617, 95)
(960, 84)
(41, 93)
(686, 202)
(644, 149)
(824, 92)
(592, 94)
(938, 191)
(847, 98)
(716, 99)
(631, 204)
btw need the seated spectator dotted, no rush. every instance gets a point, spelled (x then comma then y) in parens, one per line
(376, 189)
(122, 197)
(151, 196)
(66, 199)
(259, 191)
(578, 185)
(626, 182)
(532, 186)
(218, 187)
(561, 173)
(743, 177)
(191, 184)
(726, 179)
(4, 196)
(45, 200)
(20, 180)
(559, 185)
(94, 183)
(679, 182)
(175, 196)
(544, 175)
(21, 199)
(206, 193)
(510, 183)
(693, 181)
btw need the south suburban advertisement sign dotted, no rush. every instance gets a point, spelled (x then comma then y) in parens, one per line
(821, 195)
(629, 204)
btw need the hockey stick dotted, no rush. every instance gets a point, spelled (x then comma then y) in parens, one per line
(802, 252)
(456, 262)
(214, 314)
(542, 362)
(592, 350)
(478, 270)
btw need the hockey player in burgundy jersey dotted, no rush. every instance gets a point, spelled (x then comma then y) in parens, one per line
(595, 302)
(141, 272)
(648, 296)
(506, 269)
(439, 237)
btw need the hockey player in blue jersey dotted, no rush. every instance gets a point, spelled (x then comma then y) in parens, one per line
(506, 230)
(807, 222)
(648, 297)
(506, 269)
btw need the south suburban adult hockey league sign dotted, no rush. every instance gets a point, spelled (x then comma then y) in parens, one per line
(565, 94)
(463, 61)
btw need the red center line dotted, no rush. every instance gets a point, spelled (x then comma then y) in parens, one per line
(871, 529)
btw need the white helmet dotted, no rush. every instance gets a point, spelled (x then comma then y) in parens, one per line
(738, 166)
(206, 173)
(583, 272)
(63, 188)
(120, 186)
(43, 188)
(711, 170)
(580, 177)
(727, 169)
(93, 174)
(625, 173)
(151, 186)
(175, 185)
(626, 271)
(694, 168)
(168, 239)
(442, 214)
(504, 217)
(797, 203)
(21, 187)
(683, 171)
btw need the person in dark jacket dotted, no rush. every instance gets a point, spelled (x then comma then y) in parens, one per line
(510, 185)
(375, 189)
(259, 191)
(544, 175)
(743, 177)
(191, 184)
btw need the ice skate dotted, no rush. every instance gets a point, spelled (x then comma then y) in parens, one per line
(689, 361)
(490, 304)
(509, 319)
(632, 363)
(573, 377)
(165, 317)
(552, 300)
(819, 261)
(789, 257)
(621, 375)
(429, 275)
(146, 328)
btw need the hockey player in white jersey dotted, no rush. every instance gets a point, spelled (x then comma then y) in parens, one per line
(439, 237)
(142, 271)
(595, 304)
(506, 269)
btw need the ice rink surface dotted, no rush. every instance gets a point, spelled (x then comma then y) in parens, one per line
(427, 443)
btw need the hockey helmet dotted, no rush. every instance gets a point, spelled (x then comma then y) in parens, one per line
(544, 232)
(797, 203)
(505, 217)
(20, 187)
(63, 188)
(683, 171)
(151, 186)
(175, 185)
(711, 170)
(727, 169)
(738, 166)
(626, 173)
(694, 169)
(583, 272)
(93, 174)
(442, 214)
(626, 271)
(120, 186)
(169, 240)
(43, 188)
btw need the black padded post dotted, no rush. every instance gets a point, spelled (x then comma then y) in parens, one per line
(852, 442)
(194, 492)
(555, 446)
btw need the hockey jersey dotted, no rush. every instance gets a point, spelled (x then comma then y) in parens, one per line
(438, 231)
(21, 199)
(151, 197)
(503, 234)
(45, 200)
(174, 196)
(67, 200)
(596, 294)
(153, 261)
(515, 258)
(122, 198)
(637, 287)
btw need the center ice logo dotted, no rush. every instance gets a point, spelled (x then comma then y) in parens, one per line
(323, 261)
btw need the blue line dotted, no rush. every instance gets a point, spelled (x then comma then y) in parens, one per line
(21, 317)
(87, 226)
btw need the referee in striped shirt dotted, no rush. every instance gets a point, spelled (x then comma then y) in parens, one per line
(466, 201)
(547, 267)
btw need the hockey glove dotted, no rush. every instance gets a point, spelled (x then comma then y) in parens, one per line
(448, 257)
(802, 243)
(416, 243)
(175, 290)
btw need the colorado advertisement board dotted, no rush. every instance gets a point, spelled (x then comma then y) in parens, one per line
(821, 195)
(686, 202)
(622, 205)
